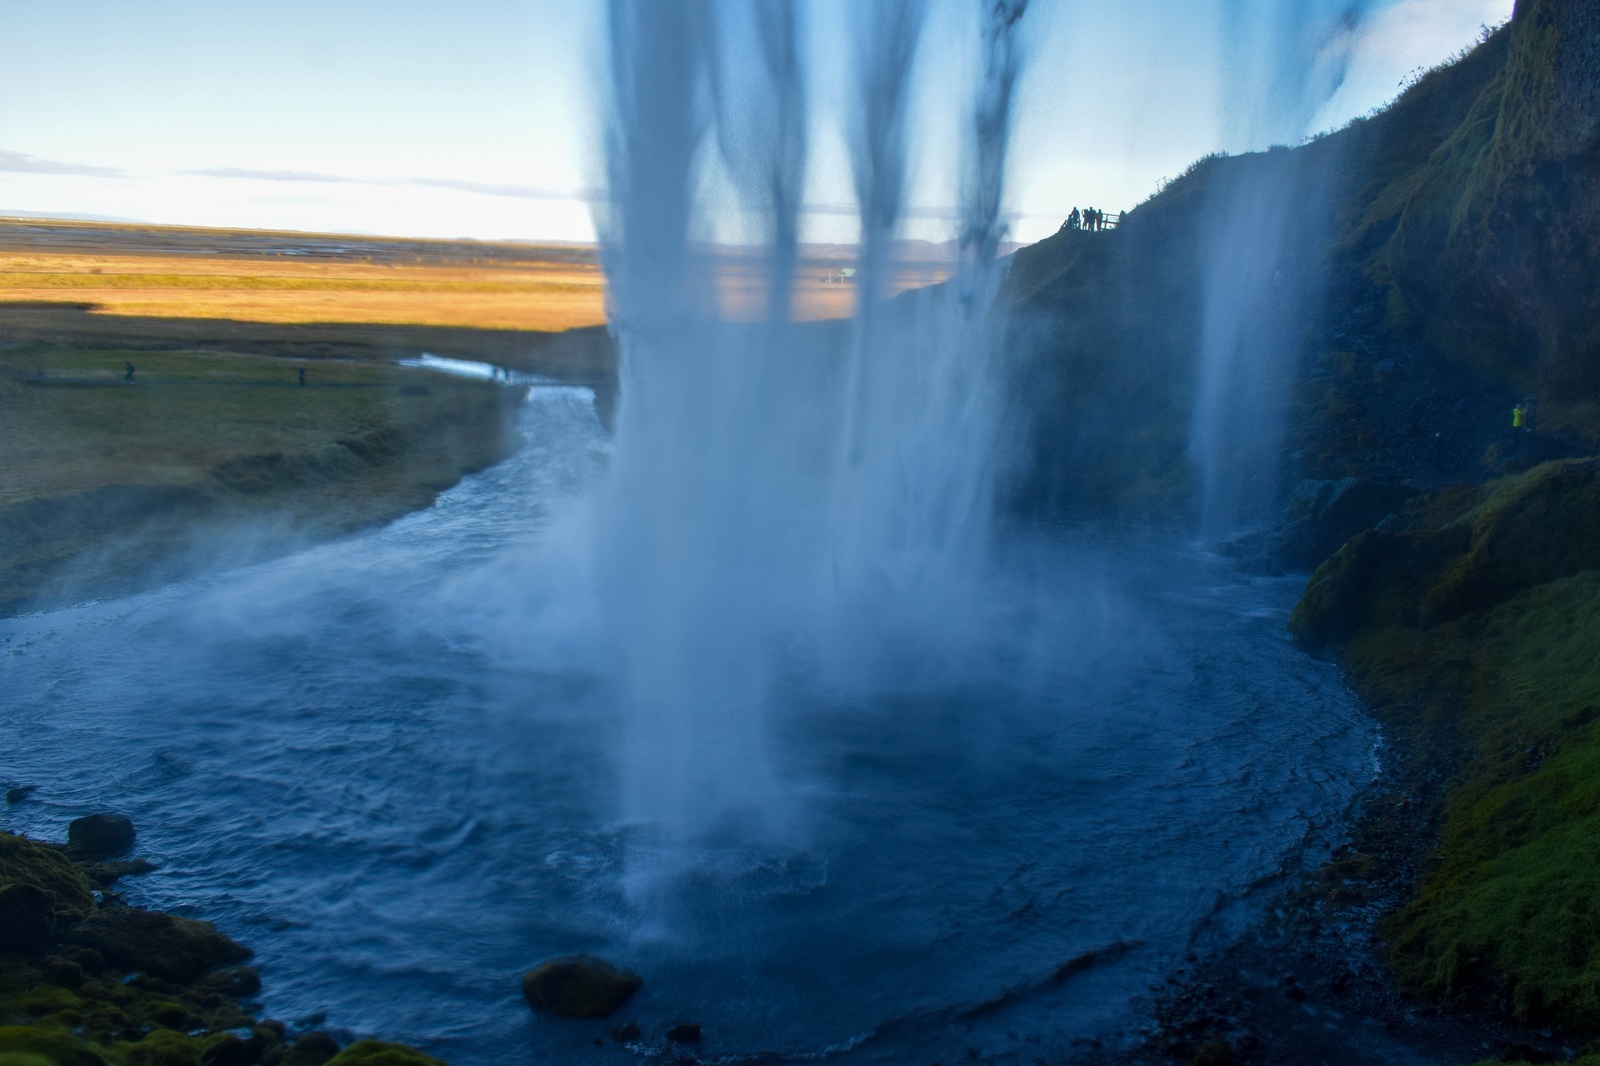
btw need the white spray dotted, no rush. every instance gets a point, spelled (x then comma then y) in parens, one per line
(1282, 63)
(779, 495)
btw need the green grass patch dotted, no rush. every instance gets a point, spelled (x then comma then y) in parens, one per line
(1514, 902)
(131, 474)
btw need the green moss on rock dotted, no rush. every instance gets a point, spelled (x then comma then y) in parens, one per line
(163, 945)
(1454, 553)
(25, 1046)
(26, 862)
(1476, 618)
(378, 1053)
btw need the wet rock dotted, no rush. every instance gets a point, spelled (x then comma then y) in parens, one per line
(684, 1033)
(228, 1050)
(100, 835)
(63, 972)
(109, 873)
(27, 1046)
(20, 793)
(27, 918)
(1215, 1053)
(578, 986)
(93, 963)
(311, 1049)
(236, 982)
(1323, 515)
(378, 1053)
(162, 945)
(623, 1032)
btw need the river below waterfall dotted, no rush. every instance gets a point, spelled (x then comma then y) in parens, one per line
(365, 763)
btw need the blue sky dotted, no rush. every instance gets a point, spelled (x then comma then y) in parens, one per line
(477, 117)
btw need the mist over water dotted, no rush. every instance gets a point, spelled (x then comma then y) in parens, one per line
(756, 696)
(782, 494)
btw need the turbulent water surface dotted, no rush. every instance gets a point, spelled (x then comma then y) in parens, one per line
(369, 764)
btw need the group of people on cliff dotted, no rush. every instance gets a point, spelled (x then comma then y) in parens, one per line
(1090, 219)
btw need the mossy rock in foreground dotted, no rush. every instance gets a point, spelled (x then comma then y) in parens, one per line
(24, 862)
(25, 1046)
(163, 945)
(378, 1053)
(579, 986)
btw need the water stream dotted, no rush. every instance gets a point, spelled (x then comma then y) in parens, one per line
(365, 763)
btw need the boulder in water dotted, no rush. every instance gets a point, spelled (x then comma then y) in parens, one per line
(100, 835)
(684, 1033)
(578, 986)
(623, 1032)
(20, 793)
(162, 945)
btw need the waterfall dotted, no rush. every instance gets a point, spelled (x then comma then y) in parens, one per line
(782, 495)
(1282, 63)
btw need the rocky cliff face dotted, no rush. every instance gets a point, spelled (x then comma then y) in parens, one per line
(1575, 112)
(1497, 249)
(1461, 266)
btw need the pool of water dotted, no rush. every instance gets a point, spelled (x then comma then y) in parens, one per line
(390, 765)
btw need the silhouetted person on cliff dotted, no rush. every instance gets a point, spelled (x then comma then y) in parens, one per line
(127, 373)
(1074, 220)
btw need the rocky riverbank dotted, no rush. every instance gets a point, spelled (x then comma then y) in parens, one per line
(88, 980)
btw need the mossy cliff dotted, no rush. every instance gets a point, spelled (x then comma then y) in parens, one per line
(88, 981)
(1458, 235)
(1454, 239)
(1473, 617)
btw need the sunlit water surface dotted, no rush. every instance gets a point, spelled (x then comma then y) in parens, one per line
(367, 762)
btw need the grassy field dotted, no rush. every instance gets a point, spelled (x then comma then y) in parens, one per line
(526, 296)
(293, 278)
(214, 452)
(214, 457)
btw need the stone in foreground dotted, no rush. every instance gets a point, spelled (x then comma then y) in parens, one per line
(578, 986)
(162, 945)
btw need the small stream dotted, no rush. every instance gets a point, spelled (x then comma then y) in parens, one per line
(364, 762)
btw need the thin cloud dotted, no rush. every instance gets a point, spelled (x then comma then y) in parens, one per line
(22, 163)
(271, 175)
(522, 192)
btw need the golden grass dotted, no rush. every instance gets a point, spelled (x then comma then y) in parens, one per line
(525, 296)
(299, 279)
